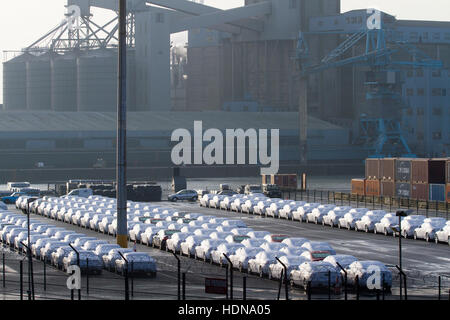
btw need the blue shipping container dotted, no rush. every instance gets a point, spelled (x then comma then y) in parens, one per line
(437, 192)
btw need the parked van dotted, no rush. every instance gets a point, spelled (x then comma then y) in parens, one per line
(85, 193)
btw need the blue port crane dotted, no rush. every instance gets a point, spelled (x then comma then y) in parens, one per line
(382, 137)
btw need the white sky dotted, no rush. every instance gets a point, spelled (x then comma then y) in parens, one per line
(24, 21)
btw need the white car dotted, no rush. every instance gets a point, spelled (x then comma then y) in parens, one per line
(288, 209)
(95, 265)
(349, 219)
(225, 204)
(104, 249)
(343, 259)
(260, 264)
(220, 235)
(91, 245)
(274, 208)
(109, 260)
(253, 242)
(237, 204)
(188, 246)
(174, 243)
(138, 229)
(22, 237)
(235, 238)
(215, 201)
(79, 242)
(364, 269)
(53, 230)
(204, 201)
(234, 223)
(41, 243)
(332, 217)
(301, 212)
(317, 250)
(138, 262)
(60, 235)
(50, 247)
(273, 246)
(386, 224)
(293, 251)
(318, 274)
(443, 235)
(72, 237)
(317, 214)
(368, 221)
(295, 242)
(12, 234)
(103, 226)
(258, 234)
(248, 205)
(428, 230)
(261, 206)
(58, 256)
(203, 251)
(217, 256)
(411, 223)
(242, 255)
(86, 219)
(291, 263)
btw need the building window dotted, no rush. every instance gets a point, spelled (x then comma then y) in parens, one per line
(409, 111)
(419, 73)
(447, 36)
(420, 111)
(436, 73)
(419, 135)
(421, 92)
(437, 111)
(160, 18)
(436, 36)
(409, 92)
(436, 92)
(409, 74)
(437, 135)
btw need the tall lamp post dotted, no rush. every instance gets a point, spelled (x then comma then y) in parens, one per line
(400, 214)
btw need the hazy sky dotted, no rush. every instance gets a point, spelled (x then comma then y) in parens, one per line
(24, 21)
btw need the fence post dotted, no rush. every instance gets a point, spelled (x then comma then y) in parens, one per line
(329, 285)
(226, 281)
(87, 275)
(230, 267)
(321, 199)
(178, 275)
(132, 278)
(439, 286)
(21, 279)
(357, 200)
(45, 274)
(345, 279)
(357, 287)
(4, 272)
(308, 289)
(244, 288)
(184, 285)
(384, 286)
(427, 208)
(280, 285)
(314, 192)
(437, 208)
(127, 293)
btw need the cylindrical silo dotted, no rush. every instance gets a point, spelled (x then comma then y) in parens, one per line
(39, 83)
(15, 83)
(64, 83)
(131, 80)
(97, 81)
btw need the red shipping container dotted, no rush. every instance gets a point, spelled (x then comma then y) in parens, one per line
(388, 188)
(373, 188)
(419, 170)
(359, 186)
(419, 191)
(387, 169)
(372, 169)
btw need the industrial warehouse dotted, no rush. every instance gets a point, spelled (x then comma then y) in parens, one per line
(192, 150)
(361, 102)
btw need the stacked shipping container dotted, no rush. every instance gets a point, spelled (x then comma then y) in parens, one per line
(419, 179)
(288, 181)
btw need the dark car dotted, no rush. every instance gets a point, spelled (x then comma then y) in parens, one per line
(189, 195)
(272, 191)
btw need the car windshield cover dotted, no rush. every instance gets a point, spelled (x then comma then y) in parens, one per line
(320, 255)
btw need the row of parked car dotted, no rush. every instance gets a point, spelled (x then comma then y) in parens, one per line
(51, 244)
(210, 238)
(359, 219)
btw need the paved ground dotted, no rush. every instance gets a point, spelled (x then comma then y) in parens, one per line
(423, 262)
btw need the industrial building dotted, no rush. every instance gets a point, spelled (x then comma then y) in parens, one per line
(298, 65)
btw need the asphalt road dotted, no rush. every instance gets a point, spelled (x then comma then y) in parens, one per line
(422, 261)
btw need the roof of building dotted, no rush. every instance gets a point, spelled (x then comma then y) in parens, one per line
(152, 121)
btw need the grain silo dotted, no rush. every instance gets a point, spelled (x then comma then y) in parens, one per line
(39, 82)
(97, 81)
(64, 83)
(15, 83)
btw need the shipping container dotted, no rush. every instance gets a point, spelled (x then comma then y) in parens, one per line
(359, 186)
(387, 169)
(447, 192)
(419, 191)
(403, 190)
(448, 171)
(284, 180)
(436, 171)
(388, 188)
(373, 188)
(372, 169)
(437, 192)
(419, 170)
(403, 170)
